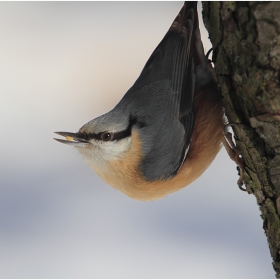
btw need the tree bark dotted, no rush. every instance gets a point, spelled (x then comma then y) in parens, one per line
(246, 54)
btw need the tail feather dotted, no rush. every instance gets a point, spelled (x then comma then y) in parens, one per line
(188, 14)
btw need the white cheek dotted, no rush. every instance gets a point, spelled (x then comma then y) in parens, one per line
(98, 154)
(113, 150)
(91, 156)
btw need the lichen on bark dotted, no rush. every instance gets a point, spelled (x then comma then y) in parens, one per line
(246, 54)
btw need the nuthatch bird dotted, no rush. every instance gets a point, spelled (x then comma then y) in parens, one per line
(168, 127)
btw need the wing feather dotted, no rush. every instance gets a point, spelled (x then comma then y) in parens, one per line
(162, 98)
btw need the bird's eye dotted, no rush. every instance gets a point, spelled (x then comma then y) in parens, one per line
(106, 136)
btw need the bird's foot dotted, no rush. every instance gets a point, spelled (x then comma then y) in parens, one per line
(235, 155)
(208, 53)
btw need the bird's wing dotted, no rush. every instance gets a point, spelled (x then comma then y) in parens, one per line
(164, 95)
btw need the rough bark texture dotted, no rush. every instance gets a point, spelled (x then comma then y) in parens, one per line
(246, 42)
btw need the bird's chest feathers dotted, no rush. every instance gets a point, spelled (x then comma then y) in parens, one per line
(124, 170)
(116, 163)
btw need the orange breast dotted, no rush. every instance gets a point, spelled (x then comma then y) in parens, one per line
(205, 144)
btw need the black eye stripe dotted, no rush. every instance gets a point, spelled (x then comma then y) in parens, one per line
(107, 136)
(122, 134)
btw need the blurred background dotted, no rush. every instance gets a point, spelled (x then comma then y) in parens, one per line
(61, 65)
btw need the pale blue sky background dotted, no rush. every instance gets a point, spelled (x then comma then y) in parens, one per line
(61, 65)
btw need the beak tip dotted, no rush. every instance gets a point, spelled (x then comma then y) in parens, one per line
(70, 142)
(61, 133)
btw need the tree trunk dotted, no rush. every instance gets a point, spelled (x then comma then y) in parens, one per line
(246, 43)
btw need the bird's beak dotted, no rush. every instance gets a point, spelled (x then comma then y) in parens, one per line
(72, 139)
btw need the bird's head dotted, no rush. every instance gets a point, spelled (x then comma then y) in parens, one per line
(104, 140)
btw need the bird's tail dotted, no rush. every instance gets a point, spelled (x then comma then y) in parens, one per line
(188, 15)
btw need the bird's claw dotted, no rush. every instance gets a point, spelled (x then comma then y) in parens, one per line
(234, 154)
